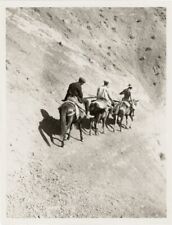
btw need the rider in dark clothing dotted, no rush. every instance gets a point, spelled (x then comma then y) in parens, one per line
(75, 90)
(127, 93)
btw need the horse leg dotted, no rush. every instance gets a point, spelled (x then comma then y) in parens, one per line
(103, 125)
(95, 126)
(105, 120)
(119, 122)
(131, 117)
(122, 117)
(91, 125)
(63, 127)
(118, 119)
(51, 138)
(97, 122)
(69, 127)
(69, 131)
(80, 129)
(109, 125)
(115, 120)
(126, 116)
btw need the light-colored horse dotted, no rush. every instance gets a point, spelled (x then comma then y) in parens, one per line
(121, 110)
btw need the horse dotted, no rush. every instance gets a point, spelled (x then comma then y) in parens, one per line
(121, 110)
(68, 117)
(97, 115)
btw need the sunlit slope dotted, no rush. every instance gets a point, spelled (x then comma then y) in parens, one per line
(47, 48)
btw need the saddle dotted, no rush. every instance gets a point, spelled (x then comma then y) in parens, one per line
(127, 103)
(101, 104)
(79, 112)
(119, 105)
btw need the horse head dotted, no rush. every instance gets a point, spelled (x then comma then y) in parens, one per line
(133, 104)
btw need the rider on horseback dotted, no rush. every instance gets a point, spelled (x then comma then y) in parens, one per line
(127, 95)
(104, 96)
(75, 94)
(125, 100)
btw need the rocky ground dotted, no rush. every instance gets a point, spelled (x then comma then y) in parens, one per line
(111, 175)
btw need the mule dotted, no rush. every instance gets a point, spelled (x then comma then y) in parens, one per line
(68, 117)
(121, 110)
(98, 115)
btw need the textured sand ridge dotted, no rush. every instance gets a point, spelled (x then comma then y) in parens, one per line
(109, 175)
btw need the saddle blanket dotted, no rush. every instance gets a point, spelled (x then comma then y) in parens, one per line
(79, 110)
(119, 105)
(126, 103)
(101, 103)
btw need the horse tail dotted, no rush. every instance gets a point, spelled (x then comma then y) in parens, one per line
(63, 122)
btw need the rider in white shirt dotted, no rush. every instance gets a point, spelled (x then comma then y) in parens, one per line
(103, 94)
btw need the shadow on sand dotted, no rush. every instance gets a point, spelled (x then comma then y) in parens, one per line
(51, 126)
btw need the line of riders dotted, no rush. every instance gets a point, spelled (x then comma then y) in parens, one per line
(76, 107)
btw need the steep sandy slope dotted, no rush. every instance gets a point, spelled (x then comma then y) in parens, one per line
(111, 175)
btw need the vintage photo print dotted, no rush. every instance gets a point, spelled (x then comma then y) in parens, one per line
(86, 98)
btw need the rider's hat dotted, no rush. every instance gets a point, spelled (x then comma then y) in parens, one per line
(82, 80)
(129, 86)
(106, 82)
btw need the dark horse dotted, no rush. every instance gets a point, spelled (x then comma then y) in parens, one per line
(121, 110)
(98, 115)
(67, 118)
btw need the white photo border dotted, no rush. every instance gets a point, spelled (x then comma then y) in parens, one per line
(89, 3)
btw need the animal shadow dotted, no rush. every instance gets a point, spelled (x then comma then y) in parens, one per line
(49, 126)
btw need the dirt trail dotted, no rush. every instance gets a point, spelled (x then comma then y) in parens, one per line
(111, 175)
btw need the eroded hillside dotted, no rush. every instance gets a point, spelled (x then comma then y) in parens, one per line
(47, 48)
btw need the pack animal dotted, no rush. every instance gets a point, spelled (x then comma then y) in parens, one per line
(68, 117)
(98, 115)
(121, 110)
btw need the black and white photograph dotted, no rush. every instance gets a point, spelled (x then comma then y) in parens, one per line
(85, 112)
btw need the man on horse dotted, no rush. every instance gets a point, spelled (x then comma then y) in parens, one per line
(104, 96)
(125, 100)
(75, 94)
(127, 95)
(99, 108)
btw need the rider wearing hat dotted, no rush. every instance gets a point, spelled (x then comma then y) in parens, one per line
(75, 94)
(103, 94)
(127, 94)
(75, 90)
